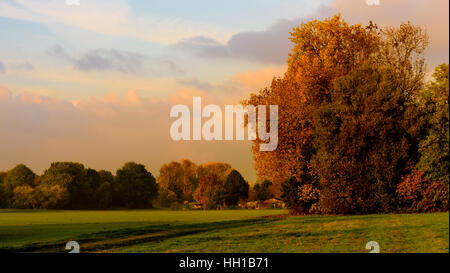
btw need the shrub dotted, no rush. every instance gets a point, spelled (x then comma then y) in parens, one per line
(299, 197)
(166, 198)
(262, 191)
(417, 193)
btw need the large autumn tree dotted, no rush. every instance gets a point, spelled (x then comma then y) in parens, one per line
(324, 52)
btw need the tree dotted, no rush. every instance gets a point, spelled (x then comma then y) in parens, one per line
(171, 177)
(322, 52)
(262, 190)
(211, 178)
(104, 195)
(179, 178)
(105, 176)
(2, 177)
(20, 175)
(50, 197)
(234, 189)
(72, 177)
(434, 156)
(93, 178)
(364, 138)
(3, 194)
(23, 197)
(137, 186)
(206, 192)
(302, 195)
(166, 198)
(190, 178)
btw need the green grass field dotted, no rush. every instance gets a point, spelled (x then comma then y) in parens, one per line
(219, 231)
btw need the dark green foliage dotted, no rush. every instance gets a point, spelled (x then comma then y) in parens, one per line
(434, 149)
(3, 194)
(262, 190)
(301, 194)
(136, 185)
(93, 178)
(166, 198)
(73, 177)
(364, 138)
(104, 195)
(234, 189)
(290, 193)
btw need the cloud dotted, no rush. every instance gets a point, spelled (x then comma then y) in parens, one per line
(27, 66)
(2, 68)
(270, 46)
(101, 59)
(110, 59)
(194, 82)
(59, 52)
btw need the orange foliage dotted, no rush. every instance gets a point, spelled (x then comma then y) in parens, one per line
(323, 51)
(418, 194)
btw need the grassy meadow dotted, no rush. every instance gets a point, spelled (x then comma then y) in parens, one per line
(219, 231)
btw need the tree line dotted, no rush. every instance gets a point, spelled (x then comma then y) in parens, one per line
(360, 129)
(69, 185)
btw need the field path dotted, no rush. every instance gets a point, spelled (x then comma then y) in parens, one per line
(101, 242)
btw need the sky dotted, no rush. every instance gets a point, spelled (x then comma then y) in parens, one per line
(94, 83)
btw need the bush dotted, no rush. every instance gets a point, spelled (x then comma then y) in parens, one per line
(166, 198)
(262, 191)
(416, 193)
(300, 198)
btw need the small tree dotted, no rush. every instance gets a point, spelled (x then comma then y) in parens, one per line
(206, 192)
(262, 190)
(234, 189)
